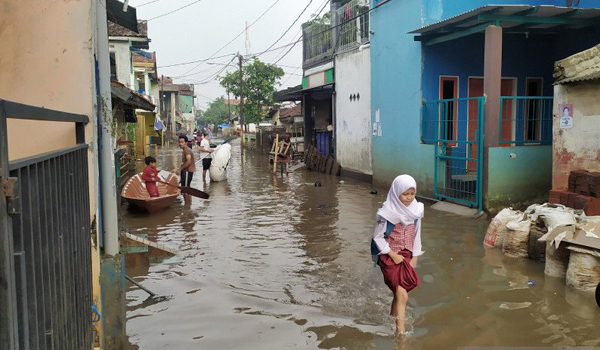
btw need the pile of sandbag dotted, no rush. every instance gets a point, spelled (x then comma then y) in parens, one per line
(567, 239)
(496, 232)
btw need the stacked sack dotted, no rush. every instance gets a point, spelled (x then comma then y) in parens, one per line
(565, 238)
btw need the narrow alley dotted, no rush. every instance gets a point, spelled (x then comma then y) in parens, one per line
(276, 262)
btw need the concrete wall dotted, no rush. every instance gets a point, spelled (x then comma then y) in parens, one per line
(48, 60)
(396, 96)
(353, 117)
(578, 147)
(518, 176)
(122, 52)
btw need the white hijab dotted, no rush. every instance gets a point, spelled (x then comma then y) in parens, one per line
(393, 210)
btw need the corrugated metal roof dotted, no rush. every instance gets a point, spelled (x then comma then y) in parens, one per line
(543, 11)
(582, 66)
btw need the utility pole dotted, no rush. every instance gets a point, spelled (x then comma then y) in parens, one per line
(229, 105)
(242, 97)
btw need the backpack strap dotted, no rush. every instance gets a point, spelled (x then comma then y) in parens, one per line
(388, 229)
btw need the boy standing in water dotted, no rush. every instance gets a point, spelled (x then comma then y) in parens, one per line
(188, 166)
(150, 176)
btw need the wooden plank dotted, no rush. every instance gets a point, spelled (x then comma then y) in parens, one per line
(276, 147)
(335, 170)
(329, 165)
(158, 246)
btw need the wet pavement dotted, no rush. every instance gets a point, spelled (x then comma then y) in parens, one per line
(273, 262)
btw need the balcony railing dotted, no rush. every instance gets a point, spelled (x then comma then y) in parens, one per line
(353, 19)
(318, 43)
(349, 30)
(525, 120)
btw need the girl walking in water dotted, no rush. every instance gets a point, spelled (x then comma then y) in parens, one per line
(396, 243)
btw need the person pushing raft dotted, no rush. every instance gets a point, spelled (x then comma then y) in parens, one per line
(396, 243)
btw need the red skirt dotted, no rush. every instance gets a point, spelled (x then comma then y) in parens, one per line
(395, 275)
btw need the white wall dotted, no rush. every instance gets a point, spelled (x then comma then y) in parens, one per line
(353, 117)
(123, 59)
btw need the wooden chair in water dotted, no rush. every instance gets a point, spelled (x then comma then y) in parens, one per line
(280, 153)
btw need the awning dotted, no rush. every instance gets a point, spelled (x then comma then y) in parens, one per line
(114, 13)
(130, 97)
(512, 18)
(289, 94)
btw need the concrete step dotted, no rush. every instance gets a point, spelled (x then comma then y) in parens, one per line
(458, 209)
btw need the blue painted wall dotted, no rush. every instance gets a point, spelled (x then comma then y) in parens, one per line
(514, 181)
(403, 74)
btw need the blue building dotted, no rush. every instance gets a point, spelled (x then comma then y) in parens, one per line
(461, 93)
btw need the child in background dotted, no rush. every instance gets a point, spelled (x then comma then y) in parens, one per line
(397, 243)
(150, 176)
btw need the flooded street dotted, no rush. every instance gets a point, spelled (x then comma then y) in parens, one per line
(273, 262)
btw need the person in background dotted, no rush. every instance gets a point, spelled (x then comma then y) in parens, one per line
(190, 139)
(150, 176)
(198, 137)
(188, 165)
(205, 152)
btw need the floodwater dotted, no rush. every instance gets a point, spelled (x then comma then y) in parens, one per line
(273, 262)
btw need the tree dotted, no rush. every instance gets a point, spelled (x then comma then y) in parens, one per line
(260, 80)
(218, 111)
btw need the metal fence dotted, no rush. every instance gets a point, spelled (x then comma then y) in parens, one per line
(45, 243)
(525, 120)
(318, 43)
(353, 19)
(455, 127)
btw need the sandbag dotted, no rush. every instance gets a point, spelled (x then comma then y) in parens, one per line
(516, 241)
(557, 260)
(537, 248)
(497, 228)
(583, 271)
(220, 160)
(555, 216)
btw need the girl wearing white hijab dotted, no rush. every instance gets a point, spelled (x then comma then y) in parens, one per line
(397, 243)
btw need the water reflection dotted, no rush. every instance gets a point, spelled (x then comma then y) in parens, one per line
(271, 261)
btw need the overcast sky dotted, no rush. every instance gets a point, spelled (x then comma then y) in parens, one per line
(198, 31)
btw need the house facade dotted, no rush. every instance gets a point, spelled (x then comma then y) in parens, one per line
(336, 86)
(462, 94)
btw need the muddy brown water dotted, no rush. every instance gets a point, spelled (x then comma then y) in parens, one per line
(273, 262)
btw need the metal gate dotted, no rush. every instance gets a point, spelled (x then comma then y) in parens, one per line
(455, 127)
(45, 243)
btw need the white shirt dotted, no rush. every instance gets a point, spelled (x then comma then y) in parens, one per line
(382, 244)
(206, 145)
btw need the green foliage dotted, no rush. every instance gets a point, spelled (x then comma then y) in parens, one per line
(217, 112)
(260, 82)
(130, 129)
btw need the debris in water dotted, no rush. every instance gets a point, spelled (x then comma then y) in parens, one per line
(342, 182)
(373, 192)
(531, 283)
(515, 306)
(317, 184)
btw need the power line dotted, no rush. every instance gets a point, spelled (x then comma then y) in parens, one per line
(300, 31)
(177, 9)
(290, 27)
(237, 36)
(192, 62)
(147, 3)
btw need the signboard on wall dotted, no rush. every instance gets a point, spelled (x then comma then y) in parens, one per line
(566, 116)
